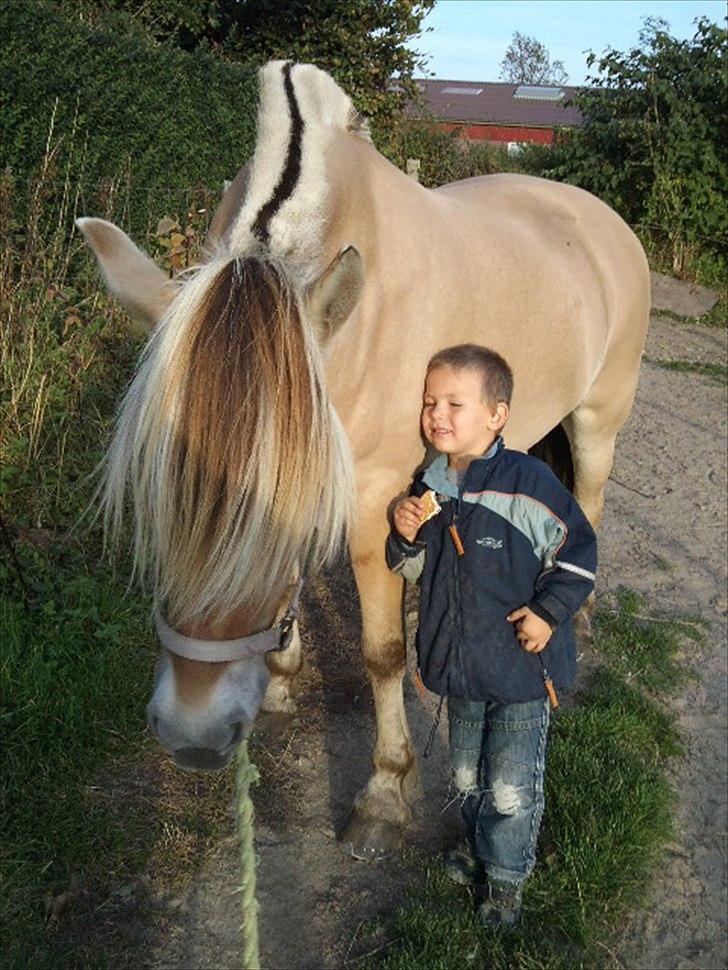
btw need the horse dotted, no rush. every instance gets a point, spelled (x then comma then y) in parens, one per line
(274, 412)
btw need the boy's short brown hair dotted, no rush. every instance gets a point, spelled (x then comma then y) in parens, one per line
(496, 375)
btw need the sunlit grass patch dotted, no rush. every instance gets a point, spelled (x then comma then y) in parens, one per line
(716, 317)
(608, 816)
(646, 650)
(718, 373)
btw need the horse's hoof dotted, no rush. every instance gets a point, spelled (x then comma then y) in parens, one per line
(270, 724)
(277, 699)
(370, 839)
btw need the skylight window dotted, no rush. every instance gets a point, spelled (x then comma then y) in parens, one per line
(462, 91)
(538, 92)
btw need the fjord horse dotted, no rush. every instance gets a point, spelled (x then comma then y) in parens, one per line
(274, 413)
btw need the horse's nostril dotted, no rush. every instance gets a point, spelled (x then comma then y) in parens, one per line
(200, 759)
(155, 723)
(237, 732)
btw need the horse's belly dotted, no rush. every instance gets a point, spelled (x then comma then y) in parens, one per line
(537, 271)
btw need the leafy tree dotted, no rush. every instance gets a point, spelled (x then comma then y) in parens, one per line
(653, 146)
(527, 61)
(362, 43)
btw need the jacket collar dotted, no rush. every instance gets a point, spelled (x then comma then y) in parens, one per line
(435, 475)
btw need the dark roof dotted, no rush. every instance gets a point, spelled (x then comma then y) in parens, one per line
(491, 102)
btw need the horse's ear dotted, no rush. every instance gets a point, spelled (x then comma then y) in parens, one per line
(131, 276)
(335, 293)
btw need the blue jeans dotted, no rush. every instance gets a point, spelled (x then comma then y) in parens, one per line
(498, 754)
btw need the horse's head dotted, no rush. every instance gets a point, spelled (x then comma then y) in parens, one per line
(235, 466)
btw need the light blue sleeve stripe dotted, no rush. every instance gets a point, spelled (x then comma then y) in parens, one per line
(410, 568)
(542, 527)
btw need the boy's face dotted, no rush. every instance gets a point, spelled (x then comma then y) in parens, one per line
(456, 419)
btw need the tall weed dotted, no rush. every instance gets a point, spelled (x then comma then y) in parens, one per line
(77, 651)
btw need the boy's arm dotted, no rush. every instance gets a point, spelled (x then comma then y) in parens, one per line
(406, 558)
(570, 567)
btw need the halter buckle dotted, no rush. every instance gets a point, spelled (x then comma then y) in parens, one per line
(286, 630)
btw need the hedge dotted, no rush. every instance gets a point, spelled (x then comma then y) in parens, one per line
(124, 108)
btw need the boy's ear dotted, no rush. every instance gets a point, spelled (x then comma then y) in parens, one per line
(499, 417)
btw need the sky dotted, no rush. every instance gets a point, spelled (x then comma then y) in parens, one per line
(469, 37)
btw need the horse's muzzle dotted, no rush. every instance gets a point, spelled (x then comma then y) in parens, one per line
(201, 759)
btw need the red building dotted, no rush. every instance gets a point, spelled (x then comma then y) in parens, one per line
(498, 112)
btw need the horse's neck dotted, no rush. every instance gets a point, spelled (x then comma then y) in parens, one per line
(371, 203)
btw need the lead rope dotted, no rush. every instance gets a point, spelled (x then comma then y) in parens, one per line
(246, 774)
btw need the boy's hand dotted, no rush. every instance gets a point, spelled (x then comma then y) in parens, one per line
(533, 633)
(408, 517)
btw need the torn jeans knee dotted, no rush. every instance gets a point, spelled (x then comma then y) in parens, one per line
(505, 798)
(465, 779)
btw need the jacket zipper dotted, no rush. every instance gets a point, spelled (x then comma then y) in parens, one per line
(458, 617)
(460, 655)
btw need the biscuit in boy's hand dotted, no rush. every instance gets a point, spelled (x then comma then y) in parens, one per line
(431, 506)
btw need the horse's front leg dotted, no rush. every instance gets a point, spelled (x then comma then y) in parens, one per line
(381, 810)
(283, 667)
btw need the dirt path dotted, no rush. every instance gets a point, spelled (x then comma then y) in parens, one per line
(672, 548)
(664, 535)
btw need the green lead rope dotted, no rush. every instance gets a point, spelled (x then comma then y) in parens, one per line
(246, 774)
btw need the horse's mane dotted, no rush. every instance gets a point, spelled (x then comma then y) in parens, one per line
(287, 204)
(236, 464)
(235, 461)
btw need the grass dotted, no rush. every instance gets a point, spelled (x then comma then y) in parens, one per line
(646, 651)
(718, 373)
(717, 317)
(608, 815)
(87, 800)
(73, 670)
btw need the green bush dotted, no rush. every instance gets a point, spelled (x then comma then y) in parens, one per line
(443, 155)
(136, 118)
(653, 146)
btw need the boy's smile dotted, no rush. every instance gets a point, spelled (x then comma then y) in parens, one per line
(456, 418)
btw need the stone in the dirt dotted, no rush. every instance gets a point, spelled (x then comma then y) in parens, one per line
(687, 299)
(265, 835)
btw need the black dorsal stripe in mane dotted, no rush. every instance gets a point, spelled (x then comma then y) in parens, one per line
(291, 170)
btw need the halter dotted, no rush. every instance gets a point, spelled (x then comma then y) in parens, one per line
(278, 637)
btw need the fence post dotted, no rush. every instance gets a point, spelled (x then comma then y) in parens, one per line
(413, 168)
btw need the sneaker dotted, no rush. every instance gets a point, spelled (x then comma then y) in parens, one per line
(501, 908)
(461, 865)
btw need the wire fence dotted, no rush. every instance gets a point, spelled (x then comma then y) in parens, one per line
(142, 211)
(154, 194)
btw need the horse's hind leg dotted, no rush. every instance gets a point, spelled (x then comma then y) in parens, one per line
(592, 429)
(592, 452)
(381, 810)
(592, 449)
(592, 426)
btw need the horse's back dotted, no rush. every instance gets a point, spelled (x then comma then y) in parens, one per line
(553, 216)
(557, 239)
(544, 273)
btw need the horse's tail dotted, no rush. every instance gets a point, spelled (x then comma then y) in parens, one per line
(236, 463)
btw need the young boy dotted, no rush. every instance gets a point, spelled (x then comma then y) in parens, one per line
(502, 567)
